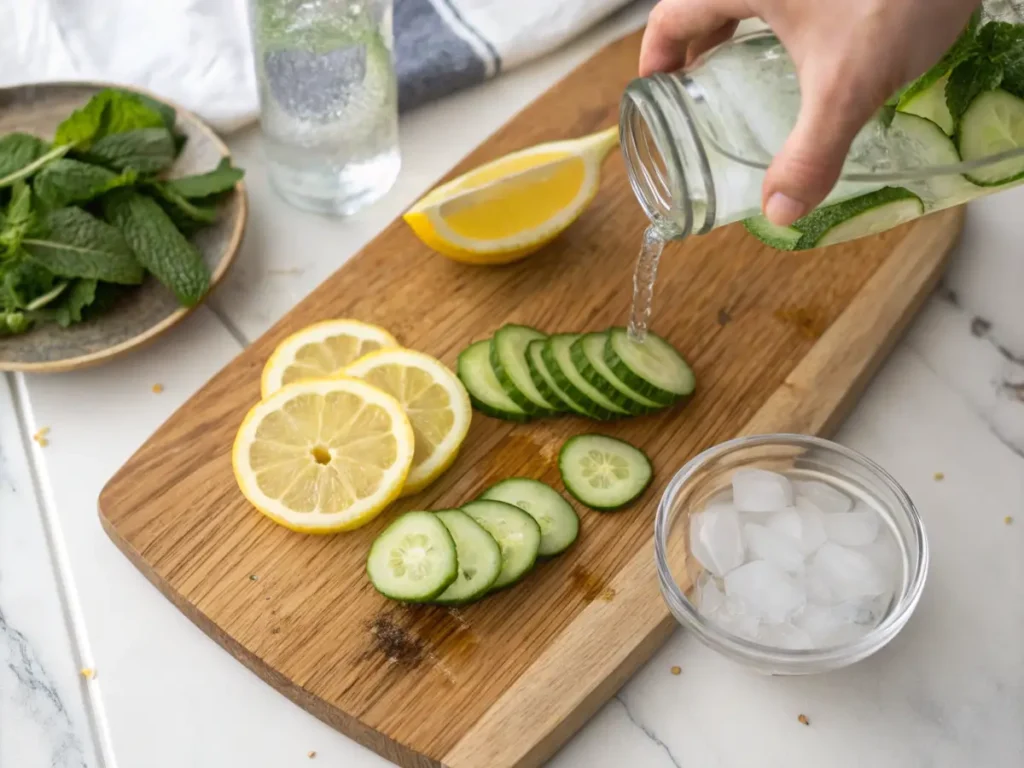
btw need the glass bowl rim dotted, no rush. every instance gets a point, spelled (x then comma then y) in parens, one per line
(830, 656)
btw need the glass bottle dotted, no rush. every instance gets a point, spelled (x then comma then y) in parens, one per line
(697, 142)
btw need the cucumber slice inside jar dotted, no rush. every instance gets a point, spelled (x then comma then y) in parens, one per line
(992, 124)
(859, 217)
(479, 558)
(517, 534)
(929, 102)
(653, 367)
(912, 136)
(778, 237)
(603, 472)
(558, 521)
(588, 357)
(414, 559)
(485, 392)
(508, 359)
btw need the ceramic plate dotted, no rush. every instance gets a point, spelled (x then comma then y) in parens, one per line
(141, 314)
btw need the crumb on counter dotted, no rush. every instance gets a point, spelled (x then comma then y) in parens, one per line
(311, 754)
(253, 577)
(40, 436)
(87, 672)
(939, 476)
(803, 719)
(676, 670)
(1008, 519)
(157, 389)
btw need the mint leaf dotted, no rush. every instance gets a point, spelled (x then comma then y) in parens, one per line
(222, 179)
(22, 281)
(968, 80)
(166, 111)
(187, 216)
(13, 322)
(158, 244)
(83, 125)
(108, 112)
(67, 181)
(18, 150)
(19, 217)
(147, 150)
(81, 295)
(72, 243)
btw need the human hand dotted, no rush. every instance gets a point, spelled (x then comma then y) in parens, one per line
(850, 56)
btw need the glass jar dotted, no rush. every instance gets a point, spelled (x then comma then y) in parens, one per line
(328, 100)
(697, 142)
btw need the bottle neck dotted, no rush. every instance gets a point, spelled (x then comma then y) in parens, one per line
(665, 157)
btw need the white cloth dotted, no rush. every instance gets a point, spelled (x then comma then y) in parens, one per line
(197, 52)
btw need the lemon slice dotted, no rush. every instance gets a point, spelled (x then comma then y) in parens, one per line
(509, 208)
(323, 455)
(320, 351)
(434, 400)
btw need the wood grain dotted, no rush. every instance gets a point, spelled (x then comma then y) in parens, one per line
(142, 314)
(779, 341)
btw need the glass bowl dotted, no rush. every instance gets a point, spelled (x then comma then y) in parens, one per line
(800, 457)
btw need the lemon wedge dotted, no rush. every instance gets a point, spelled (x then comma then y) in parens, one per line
(509, 208)
(434, 400)
(324, 455)
(320, 351)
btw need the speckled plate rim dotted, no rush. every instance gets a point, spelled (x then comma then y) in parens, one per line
(217, 274)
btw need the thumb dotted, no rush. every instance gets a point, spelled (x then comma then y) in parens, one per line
(803, 173)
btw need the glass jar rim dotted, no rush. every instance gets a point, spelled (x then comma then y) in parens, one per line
(725, 642)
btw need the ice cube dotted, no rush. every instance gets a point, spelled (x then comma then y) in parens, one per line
(716, 540)
(812, 527)
(709, 597)
(818, 590)
(757, 490)
(825, 497)
(853, 529)
(785, 636)
(765, 591)
(846, 572)
(884, 552)
(825, 627)
(777, 548)
(732, 618)
(787, 522)
(866, 611)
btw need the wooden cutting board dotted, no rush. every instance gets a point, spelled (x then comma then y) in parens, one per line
(779, 342)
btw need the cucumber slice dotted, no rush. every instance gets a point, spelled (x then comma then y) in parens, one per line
(545, 382)
(558, 521)
(993, 123)
(476, 374)
(859, 216)
(913, 136)
(603, 472)
(588, 357)
(508, 359)
(929, 102)
(517, 534)
(653, 368)
(780, 238)
(479, 558)
(413, 559)
(557, 355)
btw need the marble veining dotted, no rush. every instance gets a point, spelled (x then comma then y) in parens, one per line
(43, 711)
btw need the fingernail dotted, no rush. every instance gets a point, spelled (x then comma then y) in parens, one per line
(783, 210)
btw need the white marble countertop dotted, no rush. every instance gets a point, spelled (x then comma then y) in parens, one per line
(949, 691)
